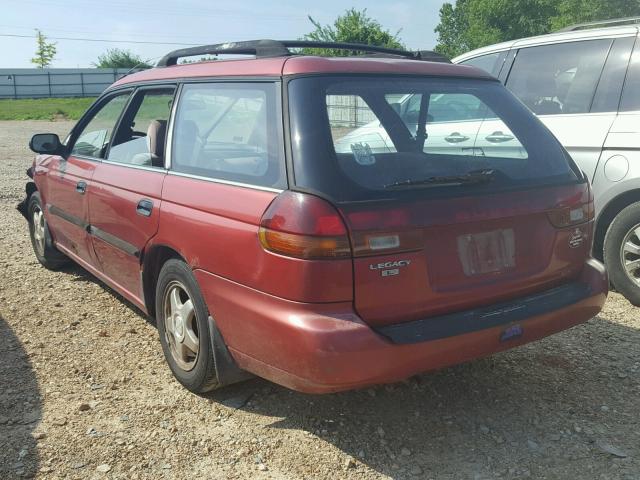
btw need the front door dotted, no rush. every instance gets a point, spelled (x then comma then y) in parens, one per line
(124, 201)
(70, 180)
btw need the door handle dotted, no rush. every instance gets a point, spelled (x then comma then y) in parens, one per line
(455, 137)
(144, 208)
(81, 187)
(498, 137)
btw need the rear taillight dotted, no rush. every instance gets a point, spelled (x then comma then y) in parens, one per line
(567, 217)
(581, 211)
(304, 226)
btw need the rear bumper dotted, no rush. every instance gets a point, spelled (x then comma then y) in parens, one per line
(322, 348)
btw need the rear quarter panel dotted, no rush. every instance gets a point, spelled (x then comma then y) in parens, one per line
(214, 227)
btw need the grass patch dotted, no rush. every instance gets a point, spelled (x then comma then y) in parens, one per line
(44, 108)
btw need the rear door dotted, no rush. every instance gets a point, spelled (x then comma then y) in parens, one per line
(124, 202)
(70, 180)
(563, 83)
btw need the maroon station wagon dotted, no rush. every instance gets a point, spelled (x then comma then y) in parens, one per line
(314, 220)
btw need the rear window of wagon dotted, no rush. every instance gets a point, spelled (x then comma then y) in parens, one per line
(353, 136)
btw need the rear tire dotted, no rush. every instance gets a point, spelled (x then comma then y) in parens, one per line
(622, 250)
(182, 319)
(46, 253)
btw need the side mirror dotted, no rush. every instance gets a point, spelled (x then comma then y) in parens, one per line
(47, 143)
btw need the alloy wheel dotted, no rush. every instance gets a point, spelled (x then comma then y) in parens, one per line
(630, 254)
(38, 229)
(181, 327)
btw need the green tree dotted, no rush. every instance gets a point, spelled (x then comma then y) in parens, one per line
(579, 11)
(118, 58)
(354, 26)
(45, 51)
(470, 24)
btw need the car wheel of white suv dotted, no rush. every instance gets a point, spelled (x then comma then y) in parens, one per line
(622, 252)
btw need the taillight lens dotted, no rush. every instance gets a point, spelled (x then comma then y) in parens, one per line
(567, 217)
(304, 226)
(580, 210)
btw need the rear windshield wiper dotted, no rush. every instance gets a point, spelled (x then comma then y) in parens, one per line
(474, 177)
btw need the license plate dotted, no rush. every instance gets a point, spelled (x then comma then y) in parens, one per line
(487, 252)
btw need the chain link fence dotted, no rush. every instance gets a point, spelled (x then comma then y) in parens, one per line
(348, 111)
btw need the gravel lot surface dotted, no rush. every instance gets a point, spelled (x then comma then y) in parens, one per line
(85, 393)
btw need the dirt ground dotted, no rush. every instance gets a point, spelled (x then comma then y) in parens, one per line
(85, 393)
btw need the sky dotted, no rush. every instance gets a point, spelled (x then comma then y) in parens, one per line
(186, 22)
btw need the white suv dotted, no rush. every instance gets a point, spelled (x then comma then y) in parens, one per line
(584, 84)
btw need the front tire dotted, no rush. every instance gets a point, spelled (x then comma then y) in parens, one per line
(46, 253)
(182, 319)
(622, 252)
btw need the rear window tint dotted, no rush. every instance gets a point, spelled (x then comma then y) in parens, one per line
(370, 133)
(230, 131)
(456, 123)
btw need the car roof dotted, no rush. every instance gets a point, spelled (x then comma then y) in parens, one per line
(301, 64)
(557, 37)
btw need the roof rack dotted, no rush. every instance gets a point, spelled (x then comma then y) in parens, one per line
(614, 22)
(280, 48)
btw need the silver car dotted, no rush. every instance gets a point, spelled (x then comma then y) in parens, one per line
(584, 84)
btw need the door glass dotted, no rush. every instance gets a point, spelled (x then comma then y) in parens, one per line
(230, 132)
(141, 135)
(94, 139)
(560, 78)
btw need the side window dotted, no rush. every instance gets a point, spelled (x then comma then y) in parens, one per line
(94, 138)
(560, 78)
(491, 63)
(230, 132)
(142, 132)
(631, 95)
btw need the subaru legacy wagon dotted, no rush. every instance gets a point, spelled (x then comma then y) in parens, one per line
(239, 203)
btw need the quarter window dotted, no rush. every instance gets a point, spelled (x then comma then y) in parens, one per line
(631, 96)
(142, 132)
(560, 78)
(229, 132)
(94, 139)
(491, 63)
(609, 89)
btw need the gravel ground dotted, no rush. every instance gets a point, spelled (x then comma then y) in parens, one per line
(85, 393)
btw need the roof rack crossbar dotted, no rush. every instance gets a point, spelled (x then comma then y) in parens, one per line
(279, 48)
(614, 22)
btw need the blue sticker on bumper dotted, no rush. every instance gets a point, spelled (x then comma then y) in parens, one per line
(514, 331)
